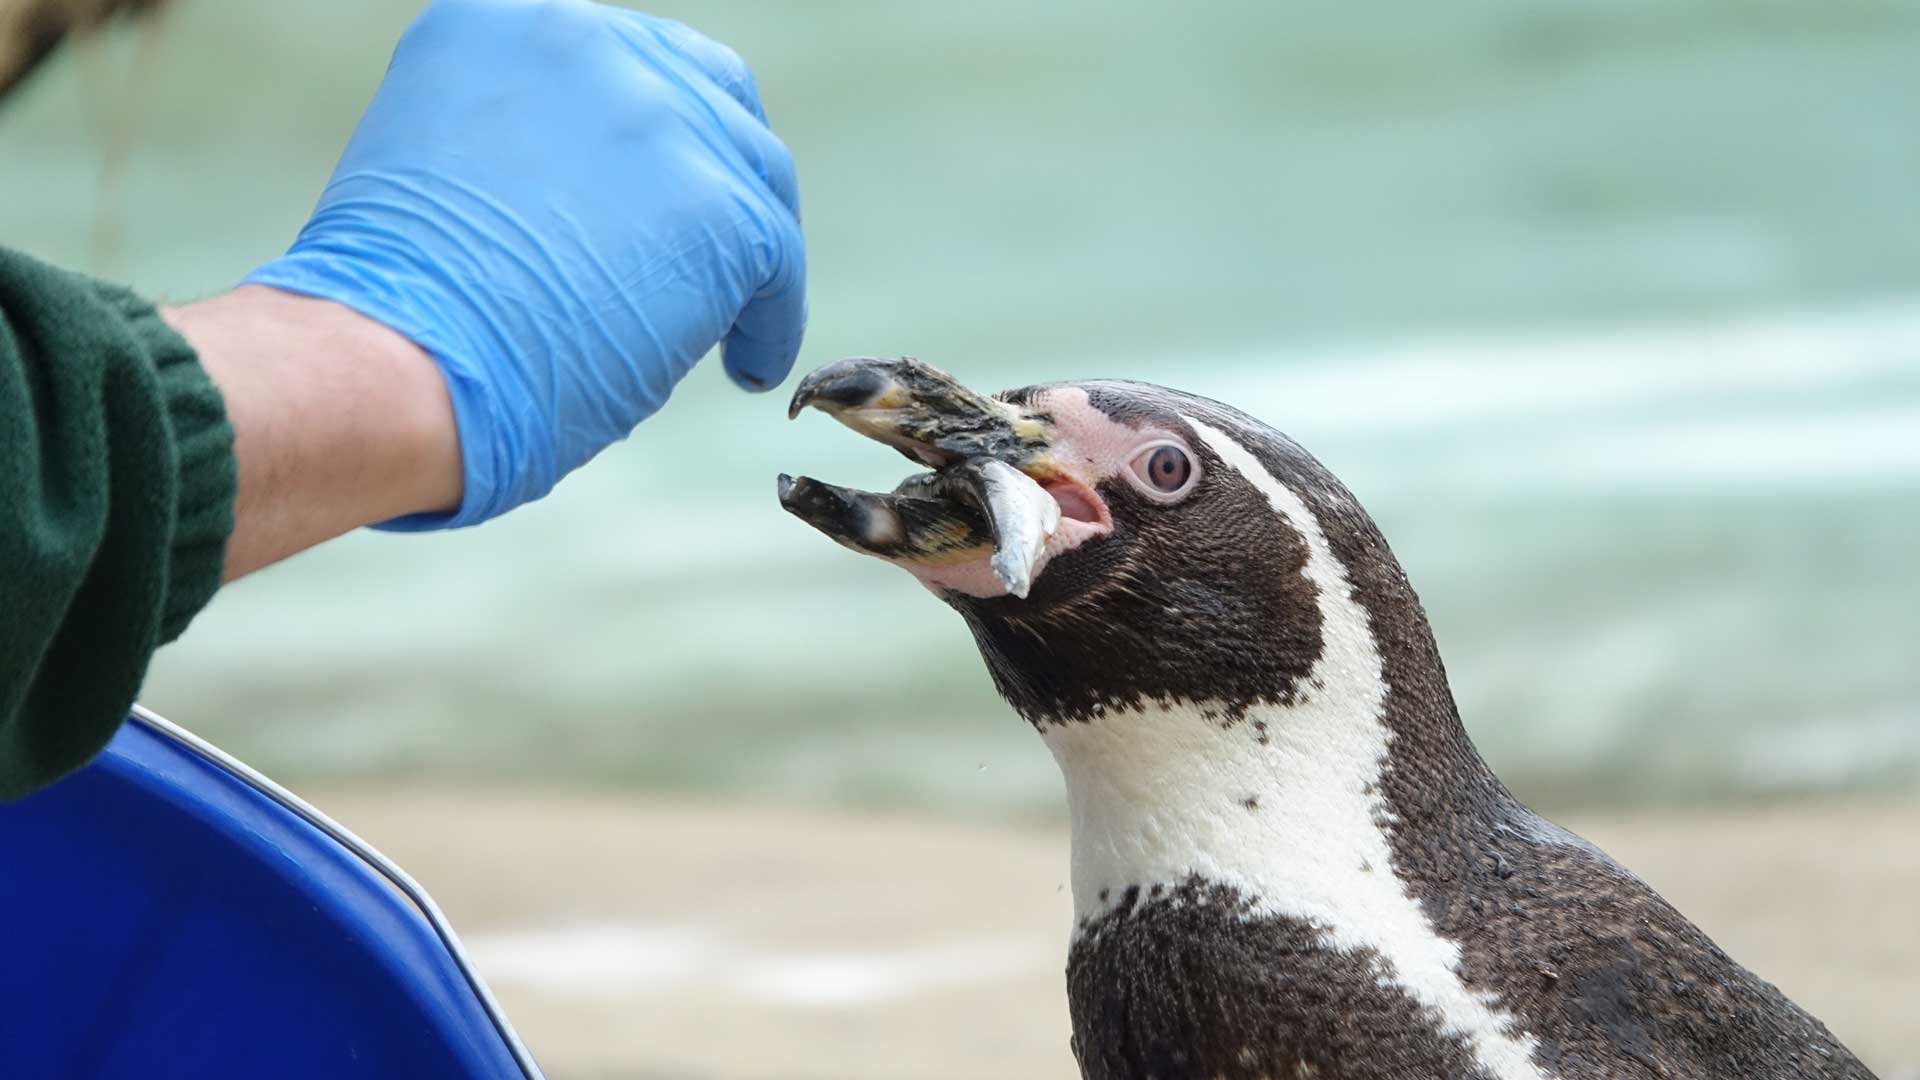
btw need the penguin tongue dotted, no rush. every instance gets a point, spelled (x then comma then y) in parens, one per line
(939, 519)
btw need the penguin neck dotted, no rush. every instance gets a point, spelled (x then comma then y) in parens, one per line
(1297, 802)
(1293, 806)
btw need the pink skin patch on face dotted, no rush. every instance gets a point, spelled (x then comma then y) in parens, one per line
(1087, 448)
(1077, 503)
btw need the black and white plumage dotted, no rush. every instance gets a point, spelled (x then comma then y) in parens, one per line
(1288, 858)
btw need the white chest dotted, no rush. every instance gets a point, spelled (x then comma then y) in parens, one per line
(1282, 805)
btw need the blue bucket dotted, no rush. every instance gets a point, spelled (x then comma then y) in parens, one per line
(168, 912)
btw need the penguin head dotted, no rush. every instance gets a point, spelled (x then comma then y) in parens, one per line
(1112, 545)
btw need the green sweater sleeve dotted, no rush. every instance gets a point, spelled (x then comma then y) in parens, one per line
(116, 500)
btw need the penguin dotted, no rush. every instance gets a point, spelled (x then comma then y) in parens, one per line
(1288, 858)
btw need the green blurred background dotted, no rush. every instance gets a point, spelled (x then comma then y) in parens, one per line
(1610, 313)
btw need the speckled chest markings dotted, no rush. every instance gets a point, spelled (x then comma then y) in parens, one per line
(1188, 983)
(1282, 812)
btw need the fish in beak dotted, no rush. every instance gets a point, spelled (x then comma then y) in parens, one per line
(991, 503)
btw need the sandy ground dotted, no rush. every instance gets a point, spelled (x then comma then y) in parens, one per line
(643, 939)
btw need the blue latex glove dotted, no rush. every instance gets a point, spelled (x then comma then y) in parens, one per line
(567, 205)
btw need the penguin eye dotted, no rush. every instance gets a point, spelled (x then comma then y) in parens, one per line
(1163, 470)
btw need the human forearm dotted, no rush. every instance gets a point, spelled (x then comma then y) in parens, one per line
(338, 421)
(118, 464)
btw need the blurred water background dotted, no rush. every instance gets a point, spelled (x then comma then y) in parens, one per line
(1609, 313)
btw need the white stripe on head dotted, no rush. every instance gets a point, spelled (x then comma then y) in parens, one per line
(1162, 793)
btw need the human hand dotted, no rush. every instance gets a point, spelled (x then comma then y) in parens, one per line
(566, 205)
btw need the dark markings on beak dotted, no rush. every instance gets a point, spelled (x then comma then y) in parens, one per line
(919, 410)
(846, 384)
(919, 522)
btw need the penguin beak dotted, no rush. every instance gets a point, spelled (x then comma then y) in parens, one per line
(988, 516)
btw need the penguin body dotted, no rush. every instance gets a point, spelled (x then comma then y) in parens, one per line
(1288, 858)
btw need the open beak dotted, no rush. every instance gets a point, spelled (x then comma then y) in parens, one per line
(983, 503)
